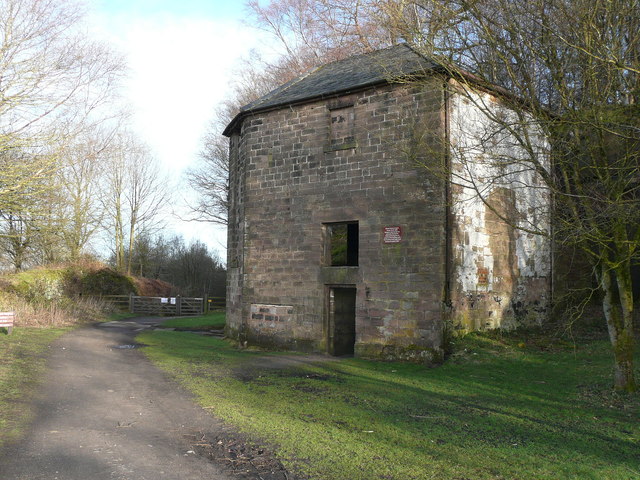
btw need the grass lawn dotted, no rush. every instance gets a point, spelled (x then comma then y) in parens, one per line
(22, 363)
(213, 320)
(501, 408)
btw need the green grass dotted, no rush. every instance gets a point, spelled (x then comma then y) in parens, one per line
(214, 320)
(22, 364)
(501, 408)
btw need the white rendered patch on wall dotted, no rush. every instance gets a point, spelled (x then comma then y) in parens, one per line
(494, 150)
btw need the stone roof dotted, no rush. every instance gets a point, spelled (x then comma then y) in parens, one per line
(342, 76)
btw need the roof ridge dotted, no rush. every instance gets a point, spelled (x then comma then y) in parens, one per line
(287, 85)
(282, 88)
(349, 74)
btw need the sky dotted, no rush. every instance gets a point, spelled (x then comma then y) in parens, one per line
(181, 55)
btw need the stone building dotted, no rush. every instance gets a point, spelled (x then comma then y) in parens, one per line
(348, 233)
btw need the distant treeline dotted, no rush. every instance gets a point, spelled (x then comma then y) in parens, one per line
(192, 268)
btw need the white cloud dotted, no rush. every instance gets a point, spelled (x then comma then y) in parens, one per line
(180, 72)
(180, 69)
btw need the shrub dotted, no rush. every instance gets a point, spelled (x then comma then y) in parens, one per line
(105, 282)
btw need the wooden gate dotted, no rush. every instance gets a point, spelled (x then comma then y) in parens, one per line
(166, 306)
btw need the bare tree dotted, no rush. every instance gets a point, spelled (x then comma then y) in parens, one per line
(146, 195)
(24, 182)
(113, 199)
(210, 180)
(18, 237)
(80, 215)
(134, 193)
(49, 71)
(54, 82)
(571, 71)
(313, 32)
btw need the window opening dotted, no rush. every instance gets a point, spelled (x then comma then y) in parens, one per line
(343, 244)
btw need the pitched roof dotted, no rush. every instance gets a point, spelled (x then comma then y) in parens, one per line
(342, 76)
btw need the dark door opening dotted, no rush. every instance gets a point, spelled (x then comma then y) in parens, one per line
(342, 320)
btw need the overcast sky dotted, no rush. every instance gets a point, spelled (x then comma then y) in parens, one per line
(181, 54)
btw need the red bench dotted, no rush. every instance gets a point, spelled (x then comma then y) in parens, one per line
(6, 320)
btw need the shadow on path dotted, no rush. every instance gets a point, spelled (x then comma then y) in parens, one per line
(105, 412)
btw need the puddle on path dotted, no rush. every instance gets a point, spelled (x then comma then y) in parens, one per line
(129, 346)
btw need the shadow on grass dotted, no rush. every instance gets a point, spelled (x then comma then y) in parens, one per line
(516, 416)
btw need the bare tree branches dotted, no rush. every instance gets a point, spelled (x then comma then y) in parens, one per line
(210, 180)
(134, 191)
(54, 83)
(48, 70)
(572, 70)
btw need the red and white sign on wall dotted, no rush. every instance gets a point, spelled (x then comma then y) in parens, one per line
(392, 234)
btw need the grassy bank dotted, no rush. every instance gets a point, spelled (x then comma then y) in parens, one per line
(501, 408)
(22, 364)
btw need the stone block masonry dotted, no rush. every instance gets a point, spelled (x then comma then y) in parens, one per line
(349, 233)
(296, 177)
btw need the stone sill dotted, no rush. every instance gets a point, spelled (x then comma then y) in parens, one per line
(339, 275)
(342, 146)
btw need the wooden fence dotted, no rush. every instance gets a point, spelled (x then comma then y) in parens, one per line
(215, 303)
(165, 306)
(121, 302)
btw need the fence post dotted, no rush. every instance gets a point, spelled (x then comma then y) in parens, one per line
(178, 305)
(205, 304)
(131, 303)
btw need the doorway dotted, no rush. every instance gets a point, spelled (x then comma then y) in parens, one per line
(341, 311)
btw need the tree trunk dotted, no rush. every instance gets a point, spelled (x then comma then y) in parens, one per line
(131, 246)
(617, 304)
(132, 237)
(119, 240)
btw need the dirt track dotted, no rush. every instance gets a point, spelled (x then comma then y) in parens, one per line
(105, 412)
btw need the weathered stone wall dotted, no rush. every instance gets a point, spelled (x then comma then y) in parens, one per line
(341, 160)
(501, 252)
(235, 240)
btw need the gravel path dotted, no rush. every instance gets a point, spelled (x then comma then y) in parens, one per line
(105, 412)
